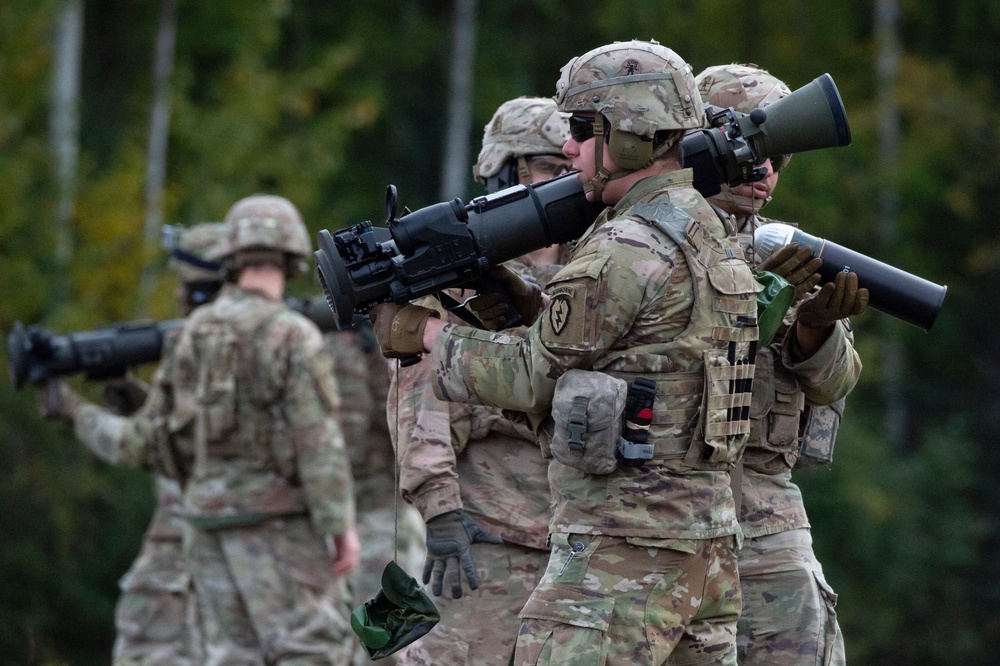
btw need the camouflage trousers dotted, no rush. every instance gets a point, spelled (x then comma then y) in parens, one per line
(155, 614)
(480, 628)
(604, 600)
(266, 595)
(788, 607)
(377, 530)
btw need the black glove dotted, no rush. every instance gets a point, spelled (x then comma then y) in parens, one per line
(491, 306)
(449, 540)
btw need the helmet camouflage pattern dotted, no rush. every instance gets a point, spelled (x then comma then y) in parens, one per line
(190, 259)
(521, 127)
(264, 222)
(640, 87)
(744, 88)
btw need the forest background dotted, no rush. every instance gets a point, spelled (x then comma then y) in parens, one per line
(119, 115)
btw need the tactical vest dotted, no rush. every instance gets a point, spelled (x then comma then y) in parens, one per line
(228, 421)
(704, 375)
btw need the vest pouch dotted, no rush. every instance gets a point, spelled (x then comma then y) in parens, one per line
(587, 410)
(819, 434)
(217, 383)
(724, 419)
(784, 416)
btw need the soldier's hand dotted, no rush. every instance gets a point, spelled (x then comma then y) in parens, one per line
(834, 301)
(492, 306)
(57, 401)
(449, 540)
(347, 553)
(797, 266)
(124, 395)
(399, 329)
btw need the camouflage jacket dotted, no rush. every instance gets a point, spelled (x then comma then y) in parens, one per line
(626, 293)
(253, 430)
(457, 455)
(124, 440)
(785, 386)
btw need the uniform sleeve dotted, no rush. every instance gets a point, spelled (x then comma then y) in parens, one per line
(127, 440)
(428, 434)
(594, 302)
(829, 374)
(311, 406)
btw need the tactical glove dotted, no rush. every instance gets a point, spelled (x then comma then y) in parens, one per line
(797, 266)
(57, 401)
(399, 329)
(449, 540)
(492, 306)
(836, 300)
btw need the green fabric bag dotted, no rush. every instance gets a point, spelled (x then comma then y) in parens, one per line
(772, 304)
(400, 613)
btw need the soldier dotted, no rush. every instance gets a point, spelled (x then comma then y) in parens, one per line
(385, 527)
(467, 463)
(652, 322)
(788, 607)
(154, 616)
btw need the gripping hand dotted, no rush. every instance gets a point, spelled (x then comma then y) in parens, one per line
(57, 401)
(449, 540)
(399, 329)
(492, 307)
(797, 266)
(836, 300)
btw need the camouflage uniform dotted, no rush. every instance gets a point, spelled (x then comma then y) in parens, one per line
(643, 559)
(387, 529)
(253, 434)
(788, 608)
(457, 456)
(155, 614)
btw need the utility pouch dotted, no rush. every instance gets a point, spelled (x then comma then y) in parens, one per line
(587, 410)
(819, 433)
(634, 448)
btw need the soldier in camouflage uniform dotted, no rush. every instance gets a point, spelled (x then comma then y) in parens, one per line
(802, 378)
(642, 567)
(154, 616)
(469, 460)
(245, 416)
(385, 527)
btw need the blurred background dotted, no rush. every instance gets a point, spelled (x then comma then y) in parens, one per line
(118, 116)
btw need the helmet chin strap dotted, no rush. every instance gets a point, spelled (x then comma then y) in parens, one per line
(601, 175)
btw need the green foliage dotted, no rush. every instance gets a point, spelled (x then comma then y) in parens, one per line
(326, 103)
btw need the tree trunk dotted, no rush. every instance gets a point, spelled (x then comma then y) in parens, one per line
(456, 166)
(64, 125)
(887, 77)
(159, 130)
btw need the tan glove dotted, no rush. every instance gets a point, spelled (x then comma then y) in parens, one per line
(492, 306)
(797, 266)
(834, 301)
(399, 329)
(57, 401)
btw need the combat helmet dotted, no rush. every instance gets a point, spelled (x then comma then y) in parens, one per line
(643, 96)
(263, 227)
(192, 251)
(744, 88)
(521, 128)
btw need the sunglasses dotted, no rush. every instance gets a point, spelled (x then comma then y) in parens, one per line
(581, 128)
(548, 166)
